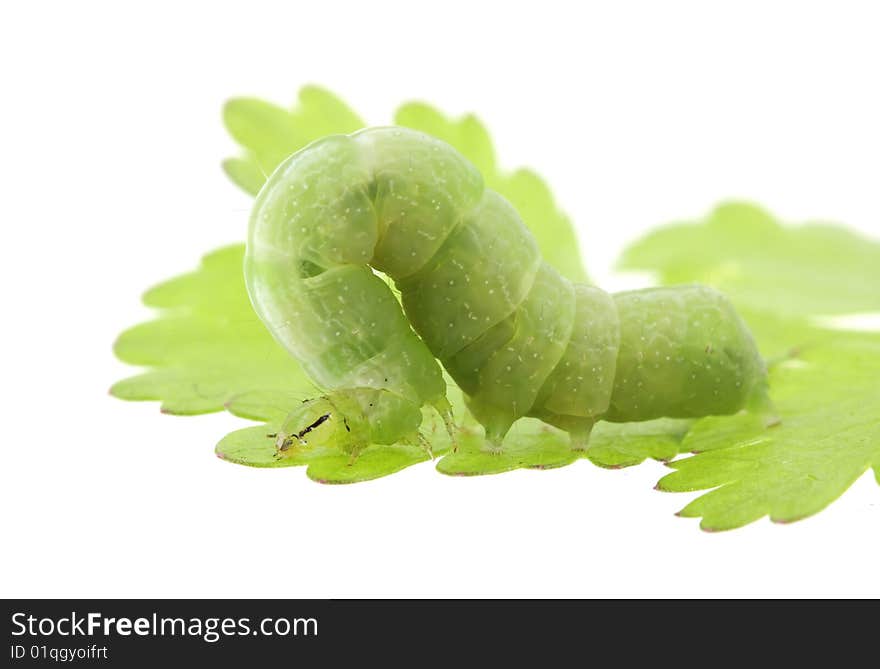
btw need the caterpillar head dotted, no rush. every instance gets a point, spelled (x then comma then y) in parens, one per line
(313, 424)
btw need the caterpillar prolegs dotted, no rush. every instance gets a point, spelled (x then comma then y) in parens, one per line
(519, 339)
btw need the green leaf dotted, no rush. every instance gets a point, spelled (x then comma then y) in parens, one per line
(270, 133)
(616, 445)
(530, 444)
(829, 436)
(523, 188)
(265, 129)
(245, 173)
(207, 344)
(535, 445)
(824, 382)
(788, 271)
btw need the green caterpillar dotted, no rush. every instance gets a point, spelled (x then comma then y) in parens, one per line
(519, 339)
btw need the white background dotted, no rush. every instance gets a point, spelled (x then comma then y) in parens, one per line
(636, 113)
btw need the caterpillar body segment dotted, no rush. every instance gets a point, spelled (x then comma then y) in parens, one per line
(518, 338)
(684, 353)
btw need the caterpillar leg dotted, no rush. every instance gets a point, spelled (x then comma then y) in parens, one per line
(354, 453)
(579, 428)
(425, 445)
(495, 433)
(418, 439)
(496, 422)
(580, 437)
(759, 403)
(444, 408)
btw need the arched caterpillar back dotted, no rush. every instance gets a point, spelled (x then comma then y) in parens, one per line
(519, 339)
